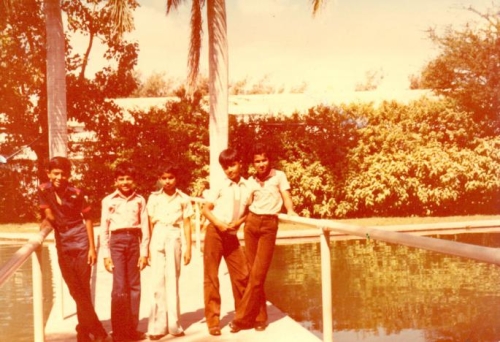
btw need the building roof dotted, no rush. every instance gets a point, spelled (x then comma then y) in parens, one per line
(286, 104)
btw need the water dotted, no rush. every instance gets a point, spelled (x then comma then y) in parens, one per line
(16, 297)
(385, 292)
(381, 292)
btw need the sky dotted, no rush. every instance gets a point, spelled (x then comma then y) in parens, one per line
(282, 43)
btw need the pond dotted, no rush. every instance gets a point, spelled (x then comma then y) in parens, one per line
(381, 292)
(16, 297)
(385, 292)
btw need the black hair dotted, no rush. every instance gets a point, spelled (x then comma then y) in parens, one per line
(61, 163)
(169, 168)
(260, 148)
(228, 157)
(125, 169)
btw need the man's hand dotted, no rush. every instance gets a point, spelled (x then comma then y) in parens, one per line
(142, 263)
(187, 256)
(91, 257)
(108, 264)
(221, 226)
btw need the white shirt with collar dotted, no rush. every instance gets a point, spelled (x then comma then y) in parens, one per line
(169, 210)
(223, 198)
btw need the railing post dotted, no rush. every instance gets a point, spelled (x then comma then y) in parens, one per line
(326, 287)
(36, 262)
(197, 222)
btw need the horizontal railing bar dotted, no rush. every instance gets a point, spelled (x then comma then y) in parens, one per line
(479, 253)
(24, 252)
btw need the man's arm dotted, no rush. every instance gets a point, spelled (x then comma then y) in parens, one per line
(104, 236)
(207, 212)
(187, 237)
(287, 201)
(145, 229)
(92, 255)
(49, 215)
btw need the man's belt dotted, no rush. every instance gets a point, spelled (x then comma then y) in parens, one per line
(129, 231)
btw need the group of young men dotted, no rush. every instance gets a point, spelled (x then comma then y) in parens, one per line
(136, 233)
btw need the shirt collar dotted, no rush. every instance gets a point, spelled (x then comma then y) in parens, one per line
(228, 182)
(117, 193)
(159, 192)
(271, 173)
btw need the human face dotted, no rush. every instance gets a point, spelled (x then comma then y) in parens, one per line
(58, 177)
(232, 171)
(168, 182)
(261, 165)
(125, 184)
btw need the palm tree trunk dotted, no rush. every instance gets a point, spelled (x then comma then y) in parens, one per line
(218, 84)
(56, 80)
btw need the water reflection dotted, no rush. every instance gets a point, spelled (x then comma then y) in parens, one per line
(16, 297)
(385, 292)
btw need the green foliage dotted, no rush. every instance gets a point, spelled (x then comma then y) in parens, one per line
(468, 68)
(421, 159)
(18, 192)
(311, 149)
(424, 158)
(23, 98)
(176, 133)
(22, 67)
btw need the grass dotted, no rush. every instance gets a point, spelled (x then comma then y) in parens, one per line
(374, 221)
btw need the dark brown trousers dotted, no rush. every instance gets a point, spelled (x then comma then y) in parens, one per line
(217, 245)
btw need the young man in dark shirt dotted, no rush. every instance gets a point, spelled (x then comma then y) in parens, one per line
(68, 211)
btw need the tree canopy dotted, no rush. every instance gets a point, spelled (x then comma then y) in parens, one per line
(468, 67)
(23, 104)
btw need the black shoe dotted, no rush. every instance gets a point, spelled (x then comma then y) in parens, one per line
(101, 338)
(234, 327)
(179, 334)
(136, 336)
(118, 338)
(155, 337)
(214, 331)
(80, 337)
(260, 326)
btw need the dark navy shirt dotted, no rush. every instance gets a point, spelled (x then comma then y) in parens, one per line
(70, 229)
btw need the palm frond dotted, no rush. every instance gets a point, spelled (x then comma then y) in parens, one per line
(195, 45)
(316, 5)
(121, 16)
(174, 4)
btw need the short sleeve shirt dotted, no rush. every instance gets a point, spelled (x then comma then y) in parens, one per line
(69, 226)
(224, 201)
(267, 198)
(121, 212)
(169, 210)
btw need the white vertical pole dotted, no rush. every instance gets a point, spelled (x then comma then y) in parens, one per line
(218, 68)
(197, 225)
(36, 262)
(326, 285)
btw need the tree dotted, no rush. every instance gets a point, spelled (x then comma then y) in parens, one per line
(22, 78)
(56, 80)
(30, 91)
(218, 69)
(373, 78)
(468, 68)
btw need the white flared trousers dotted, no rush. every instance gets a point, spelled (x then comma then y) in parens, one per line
(165, 250)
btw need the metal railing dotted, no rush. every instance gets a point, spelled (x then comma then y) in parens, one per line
(31, 248)
(479, 253)
(325, 227)
(198, 203)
